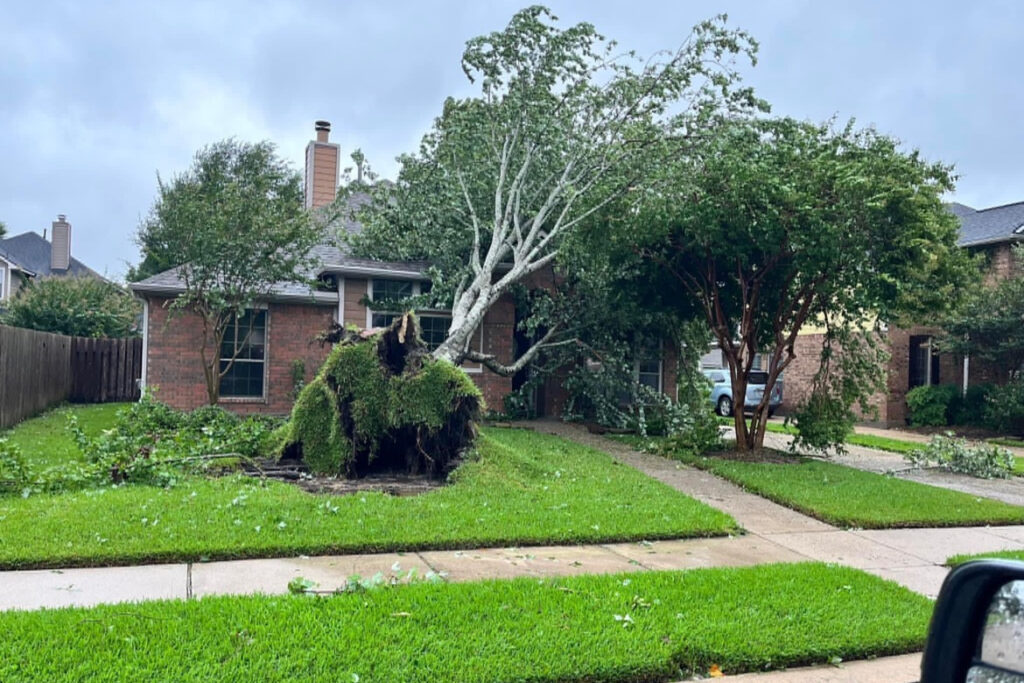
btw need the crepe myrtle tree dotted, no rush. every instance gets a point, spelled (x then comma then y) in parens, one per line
(563, 124)
(235, 225)
(774, 225)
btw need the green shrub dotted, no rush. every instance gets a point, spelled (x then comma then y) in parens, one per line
(929, 406)
(78, 306)
(822, 423)
(969, 410)
(954, 455)
(14, 472)
(1004, 408)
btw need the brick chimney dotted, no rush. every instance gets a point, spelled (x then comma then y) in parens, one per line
(60, 247)
(322, 167)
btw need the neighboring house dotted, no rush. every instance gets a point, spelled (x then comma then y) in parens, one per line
(287, 323)
(30, 255)
(914, 361)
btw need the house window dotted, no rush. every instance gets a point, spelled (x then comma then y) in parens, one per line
(924, 362)
(649, 365)
(391, 290)
(3, 282)
(245, 341)
(434, 329)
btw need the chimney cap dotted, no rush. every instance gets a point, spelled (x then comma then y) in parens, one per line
(61, 217)
(322, 125)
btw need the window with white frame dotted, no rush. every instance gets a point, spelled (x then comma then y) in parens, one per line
(243, 353)
(3, 282)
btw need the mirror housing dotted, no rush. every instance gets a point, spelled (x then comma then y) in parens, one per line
(960, 615)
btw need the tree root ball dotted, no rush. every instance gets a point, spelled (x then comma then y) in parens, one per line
(381, 403)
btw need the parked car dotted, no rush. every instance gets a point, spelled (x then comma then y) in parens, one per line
(721, 391)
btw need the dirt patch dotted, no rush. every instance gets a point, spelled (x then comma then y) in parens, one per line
(765, 455)
(295, 472)
(392, 485)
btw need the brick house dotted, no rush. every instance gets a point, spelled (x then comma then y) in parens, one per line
(913, 360)
(29, 255)
(263, 378)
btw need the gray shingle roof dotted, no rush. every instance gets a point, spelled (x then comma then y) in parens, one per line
(989, 226)
(169, 282)
(30, 251)
(331, 257)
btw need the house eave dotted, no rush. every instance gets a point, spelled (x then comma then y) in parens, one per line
(987, 242)
(312, 297)
(374, 271)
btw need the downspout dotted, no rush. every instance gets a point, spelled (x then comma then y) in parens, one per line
(967, 373)
(145, 346)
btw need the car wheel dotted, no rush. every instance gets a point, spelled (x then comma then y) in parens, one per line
(725, 406)
(771, 412)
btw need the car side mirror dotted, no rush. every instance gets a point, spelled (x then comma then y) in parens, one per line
(977, 629)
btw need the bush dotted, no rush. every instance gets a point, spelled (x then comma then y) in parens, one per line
(77, 306)
(969, 410)
(954, 455)
(929, 406)
(383, 403)
(14, 472)
(822, 422)
(1004, 408)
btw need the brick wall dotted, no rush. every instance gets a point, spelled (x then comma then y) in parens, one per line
(174, 367)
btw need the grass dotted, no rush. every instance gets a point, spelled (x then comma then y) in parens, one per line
(849, 497)
(570, 629)
(45, 441)
(1006, 441)
(996, 554)
(524, 489)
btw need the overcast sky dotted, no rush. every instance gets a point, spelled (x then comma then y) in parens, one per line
(97, 97)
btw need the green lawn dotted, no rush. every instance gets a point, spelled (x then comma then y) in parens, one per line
(854, 498)
(525, 489)
(571, 629)
(45, 441)
(997, 554)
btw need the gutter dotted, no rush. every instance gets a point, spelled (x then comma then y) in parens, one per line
(312, 297)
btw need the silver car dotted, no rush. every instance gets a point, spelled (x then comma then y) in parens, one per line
(721, 391)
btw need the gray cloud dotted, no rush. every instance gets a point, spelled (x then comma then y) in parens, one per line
(96, 98)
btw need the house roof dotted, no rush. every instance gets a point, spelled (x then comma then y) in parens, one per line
(330, 256)
(989, 226)
(32, 253)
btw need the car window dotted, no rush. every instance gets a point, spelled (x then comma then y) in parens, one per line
(717, 377)
(758, 378)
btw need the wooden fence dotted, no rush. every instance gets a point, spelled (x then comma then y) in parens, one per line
(39, 369)
(35, 372)
(105, 370)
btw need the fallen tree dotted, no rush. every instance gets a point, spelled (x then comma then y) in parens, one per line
(381, 403)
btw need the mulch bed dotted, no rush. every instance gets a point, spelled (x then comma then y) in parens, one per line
(765, 455)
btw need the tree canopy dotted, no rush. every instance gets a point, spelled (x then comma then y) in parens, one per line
(564, 123)
(76, 306)
(772, 225)
(234, 226)
(990, 323)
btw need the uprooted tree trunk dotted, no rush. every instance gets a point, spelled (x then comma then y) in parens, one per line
(381, 403)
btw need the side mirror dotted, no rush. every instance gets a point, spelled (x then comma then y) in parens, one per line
(977, 629)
